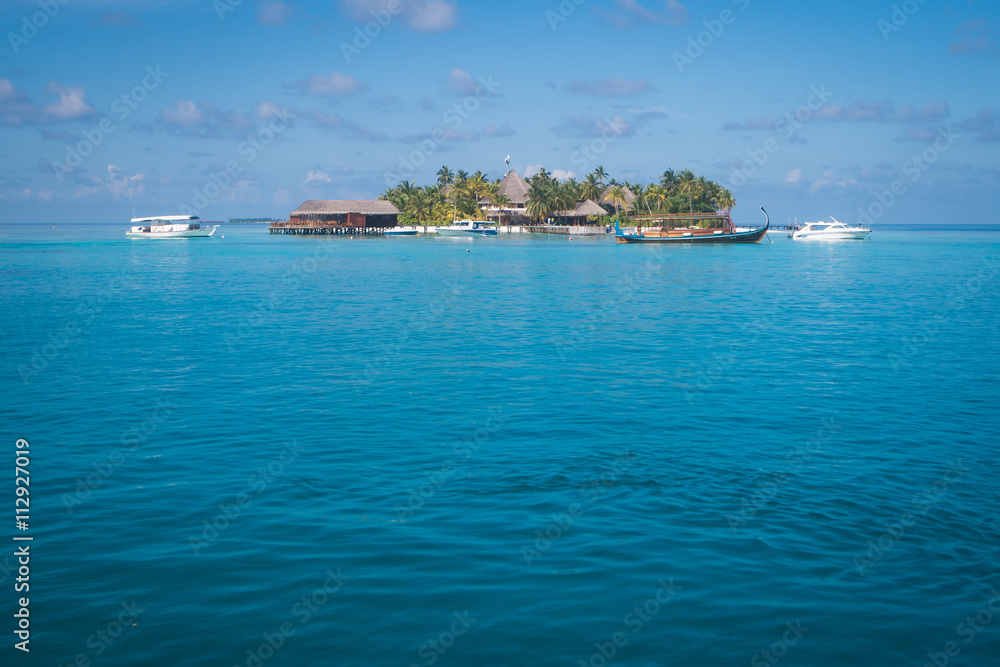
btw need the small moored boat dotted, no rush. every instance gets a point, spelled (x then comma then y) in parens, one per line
(400, 231)
(701, 228)
(468, 228)
(169, 227)
(830, 231)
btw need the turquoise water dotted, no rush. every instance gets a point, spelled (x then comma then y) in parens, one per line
(292, 451)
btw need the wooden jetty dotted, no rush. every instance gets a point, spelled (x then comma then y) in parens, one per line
(349, 217)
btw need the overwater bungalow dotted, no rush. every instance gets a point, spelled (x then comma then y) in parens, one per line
(344, 216)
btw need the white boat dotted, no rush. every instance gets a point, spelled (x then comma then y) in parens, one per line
(169, 227)
(468, 228)
(400, 231)
(836, 231)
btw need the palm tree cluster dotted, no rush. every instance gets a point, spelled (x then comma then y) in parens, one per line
(458, 194)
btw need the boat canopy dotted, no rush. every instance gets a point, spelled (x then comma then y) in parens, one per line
(166, 218)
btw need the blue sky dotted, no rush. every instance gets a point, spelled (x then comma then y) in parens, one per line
(235, 108)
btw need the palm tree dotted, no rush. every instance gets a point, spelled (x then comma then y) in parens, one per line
(539, 205)
(669, 182)
(591, 188)
(689, 188)
(445, 176)
(600, 174)
(616, 197)
(461, 176)
(724, 200)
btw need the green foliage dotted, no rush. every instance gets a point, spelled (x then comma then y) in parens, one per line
(459, 195)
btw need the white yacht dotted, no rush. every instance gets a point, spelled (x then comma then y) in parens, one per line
(169, 227)
(468, 228)
(836, 230)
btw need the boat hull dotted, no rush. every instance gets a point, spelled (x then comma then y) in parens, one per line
(858, 235)
(751, 236)
(401, 232)
(186, 234)
(467, 232)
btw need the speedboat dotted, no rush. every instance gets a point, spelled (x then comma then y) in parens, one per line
(169, 227)
(468, 228)
(836, 230)
(400, 231)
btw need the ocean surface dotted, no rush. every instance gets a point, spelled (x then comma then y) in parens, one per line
(258, 450)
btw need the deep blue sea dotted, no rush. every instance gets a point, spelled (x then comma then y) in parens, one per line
(266, 450)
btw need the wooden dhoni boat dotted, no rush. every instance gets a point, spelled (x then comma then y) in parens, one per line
(718, 228)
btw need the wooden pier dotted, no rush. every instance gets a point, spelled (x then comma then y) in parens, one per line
(325, 230)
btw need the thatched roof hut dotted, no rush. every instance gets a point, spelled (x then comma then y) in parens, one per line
(360, 213)
(515, 187)
(629, 196)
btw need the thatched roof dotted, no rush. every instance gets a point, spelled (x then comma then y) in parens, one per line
(585, 207)
(629, 195)
(340, 206)
(515, 187)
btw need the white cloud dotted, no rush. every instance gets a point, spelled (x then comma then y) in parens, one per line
(612, 87)
(184, 113)
(562, 175)
(46, 195)
(70, 105)
(794, 177)
(17, 109)
(419, 15)
(267, 110)
(127, 186)
(460, 81)
(336, 83)
(203, 120)
(432, 15)
(317, 177)
(273, 12)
